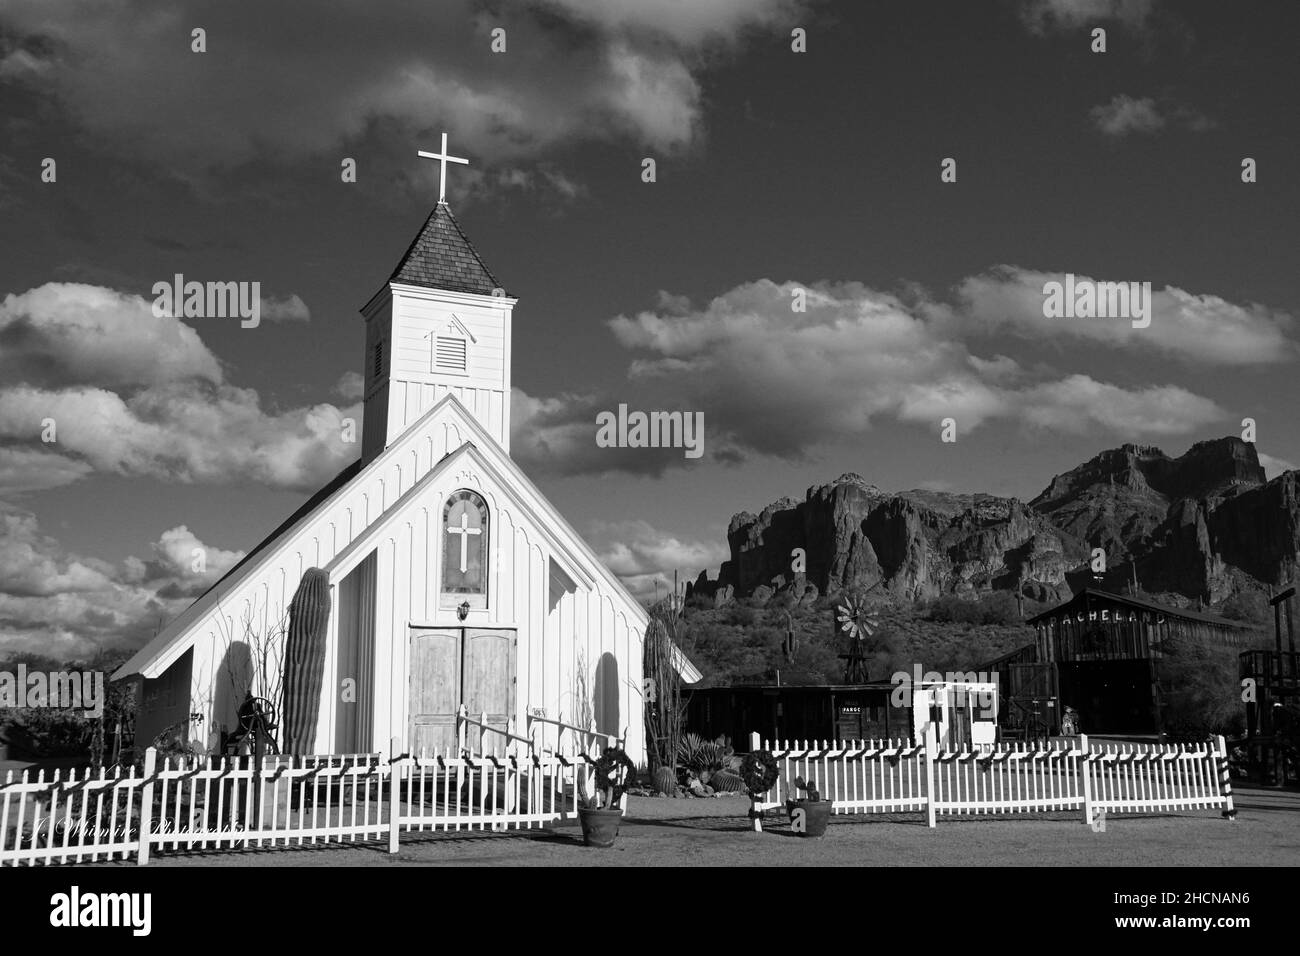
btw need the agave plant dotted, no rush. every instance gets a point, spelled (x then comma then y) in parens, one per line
(702, 758)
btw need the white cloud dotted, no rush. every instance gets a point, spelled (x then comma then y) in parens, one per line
(131, 393)
(1047, 16)
(644, 557)
(25, 470)
(179, 553)
(779, 382)
(288, 308)
(1193, 327)
(556, 434)
(187, 432)
(68, 333)
(1275, 466)
(687, 23)
(127, 73)
(771, 381)
(1078, 401)
(67, 606)
(1124, 114)
(350, 387)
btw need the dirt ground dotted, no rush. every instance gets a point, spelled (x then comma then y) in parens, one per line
(665, 832)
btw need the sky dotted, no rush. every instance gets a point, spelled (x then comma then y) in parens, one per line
(781, 175)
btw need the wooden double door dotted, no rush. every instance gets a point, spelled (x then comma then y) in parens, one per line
(451, 666)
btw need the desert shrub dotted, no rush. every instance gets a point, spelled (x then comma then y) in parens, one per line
(739, 615)
(950, 609)
(1250, 606)
(1203, 696)
(699, 601)
(999, 607)
(49, 732)
(994, 608)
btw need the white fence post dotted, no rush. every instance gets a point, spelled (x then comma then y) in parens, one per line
(1085, 772)
(931, 744)
(394, 797)
(755, 814)
(1225, 778)
(146, 806)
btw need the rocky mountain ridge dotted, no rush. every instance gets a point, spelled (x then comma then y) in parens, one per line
(1203, 525)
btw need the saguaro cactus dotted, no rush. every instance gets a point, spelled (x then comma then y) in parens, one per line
(304, 660)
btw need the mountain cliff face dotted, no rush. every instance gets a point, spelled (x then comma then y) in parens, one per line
(1205, 524)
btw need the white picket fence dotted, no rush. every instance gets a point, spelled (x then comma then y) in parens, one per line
(213, 803)
(897, 776)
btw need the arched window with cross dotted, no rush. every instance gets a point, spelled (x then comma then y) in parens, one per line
(465, 549)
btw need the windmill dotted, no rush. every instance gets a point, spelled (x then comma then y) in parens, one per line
(859, 623)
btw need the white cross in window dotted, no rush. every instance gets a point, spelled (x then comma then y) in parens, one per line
(464, 531)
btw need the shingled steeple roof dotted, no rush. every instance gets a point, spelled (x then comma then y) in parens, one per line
(442, 257)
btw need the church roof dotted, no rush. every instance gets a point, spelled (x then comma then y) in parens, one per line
(442, 257)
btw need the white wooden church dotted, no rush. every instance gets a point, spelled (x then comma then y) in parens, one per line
(453, 581)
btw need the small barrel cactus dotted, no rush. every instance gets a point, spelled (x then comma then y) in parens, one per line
(724, 781)
(665, 781)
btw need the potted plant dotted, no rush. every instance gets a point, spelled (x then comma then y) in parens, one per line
(759, 770)
(600, 813)
(809, 816)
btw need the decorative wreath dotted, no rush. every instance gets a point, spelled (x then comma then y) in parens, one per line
(607, 767)
(759, 770)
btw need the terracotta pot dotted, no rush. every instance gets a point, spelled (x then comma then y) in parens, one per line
(600, 827)
(816, 814)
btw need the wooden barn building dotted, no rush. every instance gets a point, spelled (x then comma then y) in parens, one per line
(1099, 654)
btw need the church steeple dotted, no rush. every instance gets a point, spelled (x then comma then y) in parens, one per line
(442, 257)
(440, 325)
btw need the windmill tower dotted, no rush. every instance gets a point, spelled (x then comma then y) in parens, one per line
(859, 624)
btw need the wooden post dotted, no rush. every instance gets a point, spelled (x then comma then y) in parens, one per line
(146, 805)
(511, 779)
(1277, 624)
(394, 797)
(755, 814)
(1290, 631)
(931, 745)
(1086, 773)
(1156, 699)
(1225, 778)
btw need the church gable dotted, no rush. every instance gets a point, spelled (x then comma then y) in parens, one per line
(463, 507)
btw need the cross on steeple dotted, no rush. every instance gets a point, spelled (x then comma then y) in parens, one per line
(443, 160)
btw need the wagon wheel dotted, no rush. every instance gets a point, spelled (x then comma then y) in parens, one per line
(255, 709)
(258, 715)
